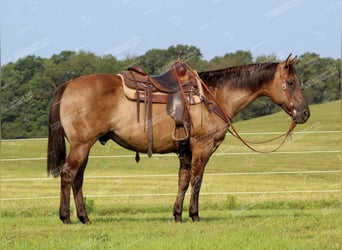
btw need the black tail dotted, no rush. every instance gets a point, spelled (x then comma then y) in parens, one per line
(56, 143)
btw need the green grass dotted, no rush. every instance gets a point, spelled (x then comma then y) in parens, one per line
(270, 226)
(297, 220)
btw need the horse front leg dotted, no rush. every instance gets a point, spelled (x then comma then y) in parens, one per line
(199, 161)
(196, 182)
(184, 176)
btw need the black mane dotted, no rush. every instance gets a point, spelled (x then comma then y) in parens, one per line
(250, 76)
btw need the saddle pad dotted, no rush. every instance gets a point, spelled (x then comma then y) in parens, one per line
(131, 93)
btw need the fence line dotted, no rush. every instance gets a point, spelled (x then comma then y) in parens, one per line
(173, 155)
(243, 133)
(175, 175)
(174, 194)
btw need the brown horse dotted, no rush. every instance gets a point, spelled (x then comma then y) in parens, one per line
(93, 107)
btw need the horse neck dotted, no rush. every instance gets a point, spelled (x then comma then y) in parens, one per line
(233, 100)
(235, 88)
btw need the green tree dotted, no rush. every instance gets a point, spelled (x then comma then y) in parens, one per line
(108, 64)
(320, 77)
(64, 56)
(189, 54)
(240, 57)
(157, 61)
(83, 63)
(28, 66)
(29, 83)
(266, 58)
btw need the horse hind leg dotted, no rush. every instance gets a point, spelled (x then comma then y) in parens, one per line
(78, 194)
(77, 157)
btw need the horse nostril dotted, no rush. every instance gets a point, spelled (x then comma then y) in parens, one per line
(306, 114)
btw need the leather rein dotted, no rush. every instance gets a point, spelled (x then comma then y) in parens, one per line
(217, 109)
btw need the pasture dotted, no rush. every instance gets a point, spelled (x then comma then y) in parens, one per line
(290, 199)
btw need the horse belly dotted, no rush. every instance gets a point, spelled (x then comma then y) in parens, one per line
(133, 135)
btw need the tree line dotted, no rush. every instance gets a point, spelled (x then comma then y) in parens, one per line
(28, 84)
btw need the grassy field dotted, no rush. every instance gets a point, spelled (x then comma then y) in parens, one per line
(290, 199)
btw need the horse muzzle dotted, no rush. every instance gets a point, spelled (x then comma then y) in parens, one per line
(300, 116)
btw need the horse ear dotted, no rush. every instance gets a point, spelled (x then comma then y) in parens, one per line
(288, 60)
(293, 61)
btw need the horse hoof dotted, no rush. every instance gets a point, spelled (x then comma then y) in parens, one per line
(85, 220)
(66, 221)
(195, 218)
(178, 218)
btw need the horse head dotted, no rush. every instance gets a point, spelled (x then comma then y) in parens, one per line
(286, 91)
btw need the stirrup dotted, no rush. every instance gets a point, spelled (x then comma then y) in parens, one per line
(177, 139)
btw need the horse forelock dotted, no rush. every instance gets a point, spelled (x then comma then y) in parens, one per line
(250, 76)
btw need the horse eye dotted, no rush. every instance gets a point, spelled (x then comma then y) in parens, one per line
(290, 82)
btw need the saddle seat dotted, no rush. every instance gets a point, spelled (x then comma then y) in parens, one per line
(166, 82)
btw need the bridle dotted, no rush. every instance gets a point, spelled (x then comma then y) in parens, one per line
(232, 130)
(291, 111)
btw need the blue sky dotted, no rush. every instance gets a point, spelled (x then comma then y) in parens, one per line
(132, 27)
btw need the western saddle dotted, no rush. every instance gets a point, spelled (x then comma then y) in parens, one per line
(178, 88)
